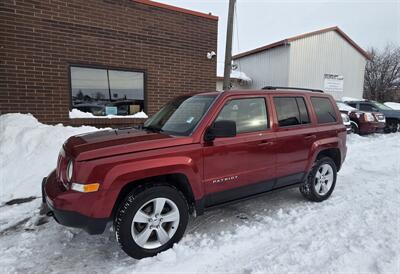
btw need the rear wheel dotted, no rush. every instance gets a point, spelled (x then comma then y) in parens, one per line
(151, 221)
(321, 180)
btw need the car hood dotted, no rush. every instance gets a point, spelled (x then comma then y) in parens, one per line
(391, 113)
(111, 142)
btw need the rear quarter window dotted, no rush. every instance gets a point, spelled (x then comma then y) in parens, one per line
(324, 110)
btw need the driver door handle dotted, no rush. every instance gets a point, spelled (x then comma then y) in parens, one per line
(310, 137)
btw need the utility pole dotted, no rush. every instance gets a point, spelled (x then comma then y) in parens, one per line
(228, 47)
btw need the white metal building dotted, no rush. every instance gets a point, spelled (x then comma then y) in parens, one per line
(326, 59)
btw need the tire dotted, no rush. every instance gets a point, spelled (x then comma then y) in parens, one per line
(354, 128)
(318, 190)
(392, 126)
(161, 234)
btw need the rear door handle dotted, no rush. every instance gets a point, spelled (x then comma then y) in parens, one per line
(310, 137)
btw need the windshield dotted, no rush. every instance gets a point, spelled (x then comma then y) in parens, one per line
(344, 107)
(180, 116)
(381, 106)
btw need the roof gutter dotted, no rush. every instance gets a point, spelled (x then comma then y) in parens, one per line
(177, 9)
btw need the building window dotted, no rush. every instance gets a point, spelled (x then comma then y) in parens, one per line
(107, 91)
(291, 111)
(324, 110)
(249, 114)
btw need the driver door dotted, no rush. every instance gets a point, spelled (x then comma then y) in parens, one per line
(243, 165)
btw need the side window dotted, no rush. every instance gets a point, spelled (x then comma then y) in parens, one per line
(249, 114)
(291, 111)
(366, 107)
(304, 118)
(324, 110)
(354, 105)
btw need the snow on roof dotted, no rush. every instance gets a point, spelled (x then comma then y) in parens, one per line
(240, 75)
(345, 107)
(235, 74)
(393, 105)
(350, 99)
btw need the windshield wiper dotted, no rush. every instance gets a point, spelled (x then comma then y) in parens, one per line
(152, 128)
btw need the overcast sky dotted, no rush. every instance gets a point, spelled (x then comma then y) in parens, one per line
(260, 22)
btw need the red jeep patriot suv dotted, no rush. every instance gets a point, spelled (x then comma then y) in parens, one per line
(198, 151)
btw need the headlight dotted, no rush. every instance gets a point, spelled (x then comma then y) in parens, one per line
(345, 118)
(369, 117)
(70, 170)
(62, 151)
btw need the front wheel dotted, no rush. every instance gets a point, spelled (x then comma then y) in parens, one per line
(354, 128)
(151, 221)
(392, 126)
(321, 180)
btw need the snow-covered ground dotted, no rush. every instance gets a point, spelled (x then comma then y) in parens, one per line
(355, 231)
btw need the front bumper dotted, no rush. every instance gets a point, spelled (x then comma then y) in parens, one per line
(367, 128)
(348, 128)
(67, 217)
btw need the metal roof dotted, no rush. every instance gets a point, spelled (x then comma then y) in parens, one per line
(301, 36)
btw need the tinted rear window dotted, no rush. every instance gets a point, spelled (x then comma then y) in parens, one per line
(324, 110)
(291, 111)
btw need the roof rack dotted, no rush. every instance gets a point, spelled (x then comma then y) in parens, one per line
(294, 88)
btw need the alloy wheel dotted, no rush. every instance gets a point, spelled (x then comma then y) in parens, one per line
(323, 179)
(155, 223)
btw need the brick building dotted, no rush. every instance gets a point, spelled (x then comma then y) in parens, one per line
(57, 55)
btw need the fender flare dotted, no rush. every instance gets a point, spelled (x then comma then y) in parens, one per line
(323, 144)
(123, 174)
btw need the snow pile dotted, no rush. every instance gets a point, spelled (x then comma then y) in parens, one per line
(76, 113)
(349, 99)
(393, 105)
(355, 231)
(28, 152)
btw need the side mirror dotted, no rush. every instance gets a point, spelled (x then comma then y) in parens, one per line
(219, 129)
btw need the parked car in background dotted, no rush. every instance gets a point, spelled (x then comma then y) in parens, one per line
(362, 122)
(197, 152)
(99, 108)
(346, 122)
(392, 105)
(392, 116)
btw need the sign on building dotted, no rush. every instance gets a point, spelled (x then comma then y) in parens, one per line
(333, 84)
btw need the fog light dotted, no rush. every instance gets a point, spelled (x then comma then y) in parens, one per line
(85, 187)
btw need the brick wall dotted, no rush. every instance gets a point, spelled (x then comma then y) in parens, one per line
(40, 39)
